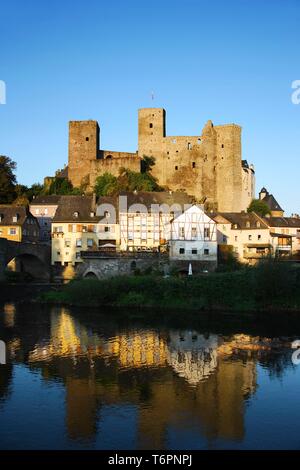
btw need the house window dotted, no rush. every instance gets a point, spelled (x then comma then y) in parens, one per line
(257, 224)
(76, 214)
(181, 232)
(12, 231)
(194, 251)
(37, 211)
(235, 238)
(194, 165)
(106, 229)
(58, 253)
(90, 242)
(181, 251)
(15, 218)
(249, 237)
(206, 251)
(194, 231)
(224, 239)
(106, 214)
(248, 224)
(258, 237)
(67, 242)
(206, 232)
(78, 243)
(78, 255)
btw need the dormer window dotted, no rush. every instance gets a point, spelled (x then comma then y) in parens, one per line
(1, 217)
(258, 224)
(106, 214)
(15, 218)
(248, 224)
(92, 214)
(235, 226)
(75, 214)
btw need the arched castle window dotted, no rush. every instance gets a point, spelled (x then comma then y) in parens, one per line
(194, 165)
(108, 157)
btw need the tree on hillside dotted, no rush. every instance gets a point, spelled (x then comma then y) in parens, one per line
(259, 206)
(7, 179)
(106, 185)
(62, 187)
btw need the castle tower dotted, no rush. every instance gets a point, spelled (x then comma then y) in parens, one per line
(229, 168)
(152, 130)
(83, 147)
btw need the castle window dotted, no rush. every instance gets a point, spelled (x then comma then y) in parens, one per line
(189, 146)
(168, 153)
(194, 164)
(109, 157)
(174, 141)
(150, 125)
(176, 167)
(199, 141)
(222, 146)
(87, 139)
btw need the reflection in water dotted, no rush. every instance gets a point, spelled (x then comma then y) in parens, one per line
(178, 381)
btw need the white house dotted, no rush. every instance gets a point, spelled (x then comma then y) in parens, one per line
(193, 236)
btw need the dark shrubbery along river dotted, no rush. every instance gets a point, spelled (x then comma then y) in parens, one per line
(83, 379)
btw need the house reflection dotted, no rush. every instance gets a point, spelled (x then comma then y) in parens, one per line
(178, 380)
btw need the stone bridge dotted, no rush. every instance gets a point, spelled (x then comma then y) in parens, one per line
(32, 258)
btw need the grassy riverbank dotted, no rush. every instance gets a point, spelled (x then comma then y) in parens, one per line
(270, 286)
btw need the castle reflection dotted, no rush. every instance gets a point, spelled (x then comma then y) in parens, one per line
(177, 379)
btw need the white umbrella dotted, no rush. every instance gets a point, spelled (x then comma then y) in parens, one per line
(190, 269)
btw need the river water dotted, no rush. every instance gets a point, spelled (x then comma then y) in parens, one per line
(90, 380)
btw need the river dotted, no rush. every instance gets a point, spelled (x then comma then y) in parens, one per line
(78, 379)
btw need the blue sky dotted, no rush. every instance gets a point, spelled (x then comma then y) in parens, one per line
(229, 61)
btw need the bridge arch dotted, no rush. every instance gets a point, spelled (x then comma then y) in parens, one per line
(32, 258)
(90, 274)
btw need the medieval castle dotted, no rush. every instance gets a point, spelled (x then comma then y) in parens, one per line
(208, 166)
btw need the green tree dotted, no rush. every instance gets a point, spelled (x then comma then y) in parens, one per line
(106, 185)
(7, 179)
(62, 187)
(259, 206)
